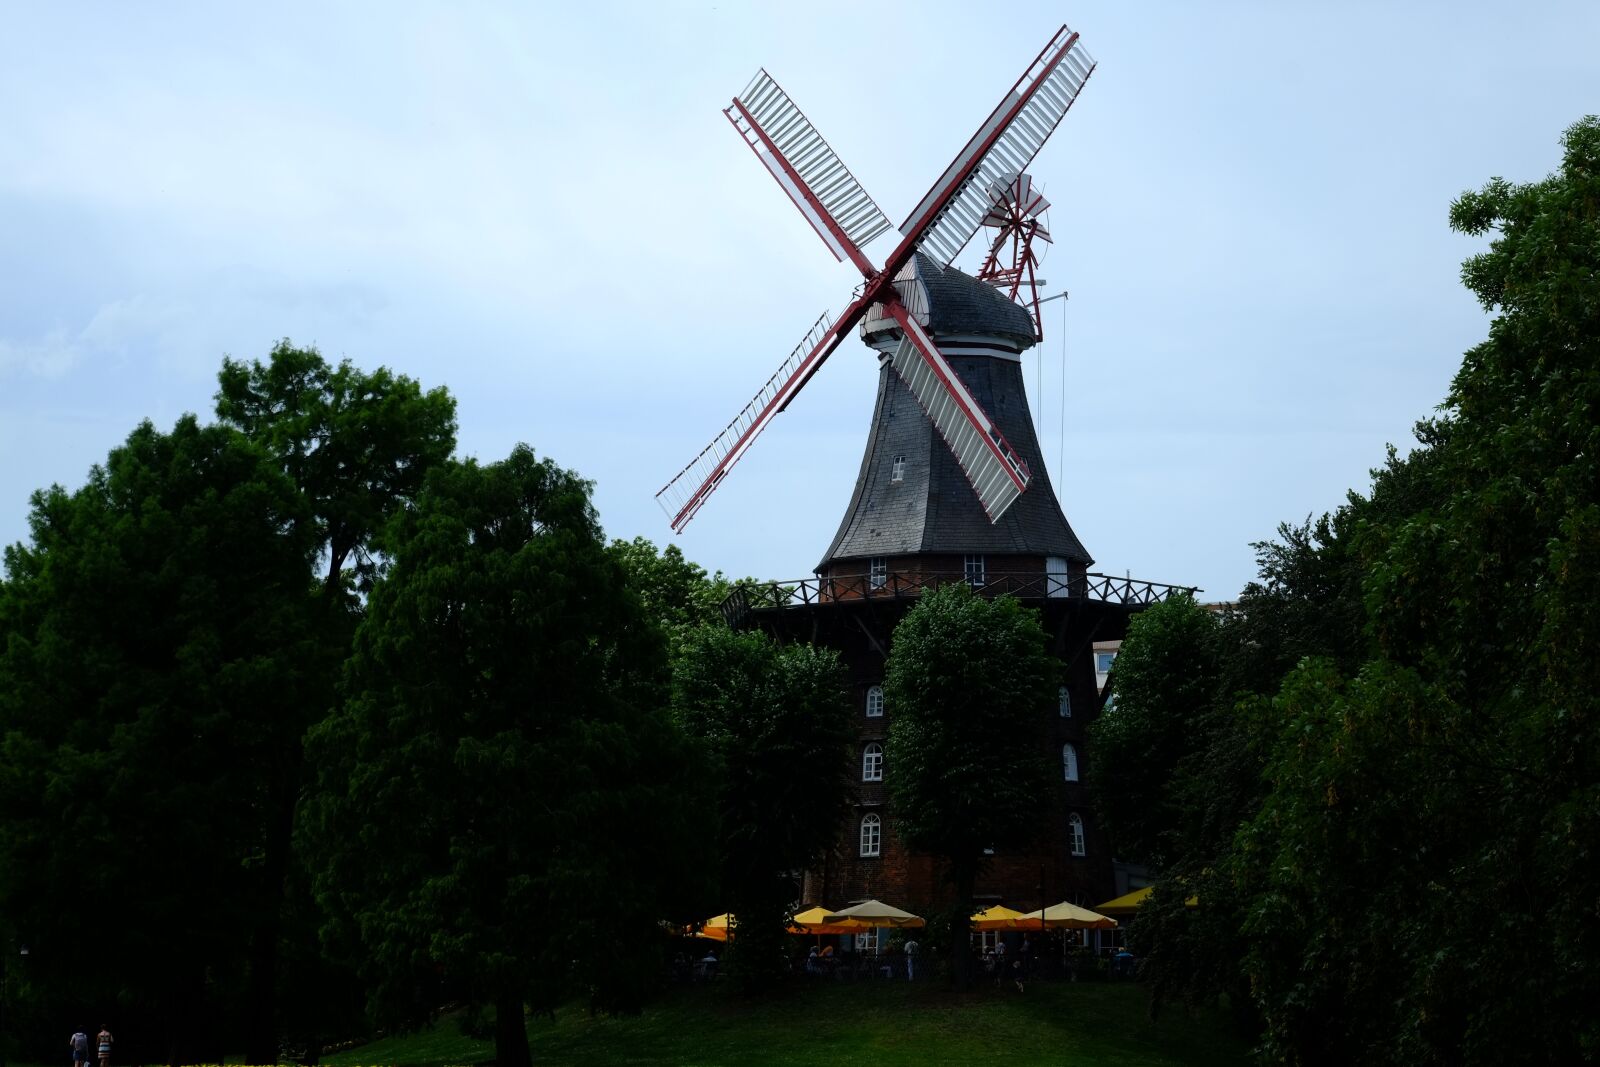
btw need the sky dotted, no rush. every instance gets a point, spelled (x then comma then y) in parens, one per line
(542, 208)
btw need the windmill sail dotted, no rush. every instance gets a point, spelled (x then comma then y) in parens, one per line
(807, 168)
(1004, 145)
(688, 490)
(997, 473)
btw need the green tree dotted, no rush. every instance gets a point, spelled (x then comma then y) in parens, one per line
(967, 678)
(1454, 776)
(500, 795)
(1166, 682)
(676, 591)
(357, 445)
(1427, 771)
(150, 637)
(773, 722)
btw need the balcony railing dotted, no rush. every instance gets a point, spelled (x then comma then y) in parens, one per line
(849, 589)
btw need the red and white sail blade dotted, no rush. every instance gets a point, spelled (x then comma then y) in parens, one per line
(945, 220)
(997, 473)
(818, 182)
(687, 492)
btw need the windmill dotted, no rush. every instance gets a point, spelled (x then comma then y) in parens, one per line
(1015, 209)
(846, 218)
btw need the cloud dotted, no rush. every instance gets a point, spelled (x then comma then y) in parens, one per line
(47, 357)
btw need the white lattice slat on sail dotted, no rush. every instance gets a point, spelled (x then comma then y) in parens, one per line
(687, 491)
(1014, 133)
(997, 474)
(803, 163)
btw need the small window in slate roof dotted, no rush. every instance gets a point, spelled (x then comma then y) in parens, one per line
(974, 571)
(878, 572)
(898, 472)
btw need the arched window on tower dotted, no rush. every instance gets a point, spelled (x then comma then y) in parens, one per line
(875, 702)
(1075, 833)
(872, 835)
(1069, 761)
(1064, 702)
(872, 763)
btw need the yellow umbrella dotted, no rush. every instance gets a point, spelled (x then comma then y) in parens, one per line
(1065, 916)
(718, 927)
(1128, 903)
(871, 913)
(812, 921)
(998, 917)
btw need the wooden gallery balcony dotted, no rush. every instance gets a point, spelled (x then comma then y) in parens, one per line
(842, 590)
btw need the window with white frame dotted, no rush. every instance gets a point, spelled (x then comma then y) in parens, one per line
(1103, 661)
(1064, 702)
(985, 940)
(872, 835)
(872, 763)
(875, 702)
(1069, 761)
(867, 942)
(1056, 581)
(974, 571)
(1075, 833)
(878, 571)
(897, 473)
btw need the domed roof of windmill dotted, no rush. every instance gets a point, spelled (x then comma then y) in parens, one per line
(911, 497)
(952, 305)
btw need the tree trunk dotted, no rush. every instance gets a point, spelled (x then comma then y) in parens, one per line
(261, 1025)
(510, 1031)
(964, 876)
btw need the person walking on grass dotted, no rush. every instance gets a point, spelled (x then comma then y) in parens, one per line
(104, 1038)
(80, 1048)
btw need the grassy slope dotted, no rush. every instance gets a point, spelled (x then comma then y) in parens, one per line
(878, 1024)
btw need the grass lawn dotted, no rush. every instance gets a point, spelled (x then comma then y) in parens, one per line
(881, 1024)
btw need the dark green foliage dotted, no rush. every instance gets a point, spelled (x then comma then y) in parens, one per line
(154, 632)
(773, 723)
(1408, 873)
(966, 680)
(498, 797)
(1165, 681)
(676, 592)
(356, 443)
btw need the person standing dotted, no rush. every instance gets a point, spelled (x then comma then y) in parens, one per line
(104, 1039)
(80, 1048)
(911, 948)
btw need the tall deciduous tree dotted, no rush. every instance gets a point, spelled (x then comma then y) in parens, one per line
(151, 637)
(357, 445)
(967, 679)
(1166, 679)
(1427, 788)
(677, 592)
(500, 794)
(774, 723)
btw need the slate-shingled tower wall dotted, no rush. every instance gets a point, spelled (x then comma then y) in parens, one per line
(928, 522)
